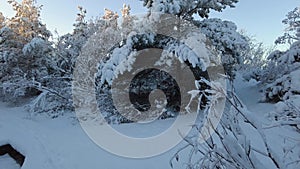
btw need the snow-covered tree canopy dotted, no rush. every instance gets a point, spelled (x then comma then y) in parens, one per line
(116, 50)
(292, 32)
(224, 37)
(187, 8)
(282, 74)
(80, 24)
(25, 51)
(26, 22)
(222, 34)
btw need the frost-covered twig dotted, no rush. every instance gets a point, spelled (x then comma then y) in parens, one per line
(228, 146)
(39, 86)
(258, 128)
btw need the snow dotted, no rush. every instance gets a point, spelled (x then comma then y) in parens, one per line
(6, 162)
(251, 134)
(279, 137)
(61, 143)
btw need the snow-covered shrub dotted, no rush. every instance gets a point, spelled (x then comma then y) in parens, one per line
(116, 65)
(287, 112)
(22, 66)
(281, 76)
(54, 100)
(283, 88)
(282, 71)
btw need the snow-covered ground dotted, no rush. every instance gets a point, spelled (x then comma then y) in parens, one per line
(6, 162)
(281, 138)
(62, 144)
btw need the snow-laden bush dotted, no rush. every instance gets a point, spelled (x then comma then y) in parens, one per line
(287, 112)
(22, 66)
(54, 100)
(283, 88)
(281, 76)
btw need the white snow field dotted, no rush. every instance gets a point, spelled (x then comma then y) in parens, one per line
(6, 162)
(62, 144)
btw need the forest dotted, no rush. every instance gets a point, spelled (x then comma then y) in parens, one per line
(170, 69)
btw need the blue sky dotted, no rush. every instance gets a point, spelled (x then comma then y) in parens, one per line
(261, 18)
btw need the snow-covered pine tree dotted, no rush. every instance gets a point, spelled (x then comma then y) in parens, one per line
(69, 45)
(110, 18)
(127, 20)
(187, 8)
(113, 53)
(25, 51)
(56, 98)
(222, 34)
(224, 37)
(292, 33)
(26, 22)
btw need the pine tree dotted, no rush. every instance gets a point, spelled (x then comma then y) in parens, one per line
(26, 22)
(25, 51)
(187, 8)
(292, 33)
(110, 18)
(224, 37)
